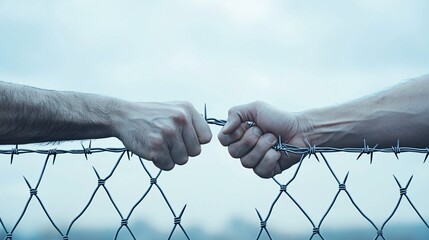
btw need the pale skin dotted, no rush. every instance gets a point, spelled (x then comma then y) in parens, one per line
(164, 133)
(398, 113)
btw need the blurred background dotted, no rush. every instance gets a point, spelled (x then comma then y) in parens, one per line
(295, 55)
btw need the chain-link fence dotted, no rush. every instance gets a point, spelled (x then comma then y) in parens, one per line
(100, 186)
(319, 154)
(9, 229)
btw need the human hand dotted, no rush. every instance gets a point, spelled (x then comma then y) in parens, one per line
(164, 133)
(254, 145)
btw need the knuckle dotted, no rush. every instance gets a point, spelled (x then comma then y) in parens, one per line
(186, 107)
(232, 110)
(248, 141)
(152, 156)
(273, 156)
(180, 117)
(269, 140)
(156, 144)
(256, 132)
(169, 131)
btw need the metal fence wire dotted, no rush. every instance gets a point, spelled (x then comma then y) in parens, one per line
(317, 152)
(100, 186)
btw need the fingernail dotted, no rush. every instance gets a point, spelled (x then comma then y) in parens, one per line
(271, 139)
(257, 131)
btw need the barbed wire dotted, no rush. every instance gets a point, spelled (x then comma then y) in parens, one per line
(312, 149)
(317, 152)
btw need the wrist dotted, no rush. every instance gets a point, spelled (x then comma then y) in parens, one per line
(96, 116)
(118, 114)
(334, 127)
(306, 126)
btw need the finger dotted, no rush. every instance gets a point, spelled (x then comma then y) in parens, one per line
(227, 139)
(288, 161)
(178, 152)
(269, 165)
(236, 116)
(232, 123)
(191, 142)
(159, 154)
(163, 160)
(202, 129)
(264, 143)
(246, 143)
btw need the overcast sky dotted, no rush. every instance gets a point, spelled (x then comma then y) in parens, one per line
(295, 55)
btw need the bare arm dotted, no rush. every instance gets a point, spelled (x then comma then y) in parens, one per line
(36, 115)
(165, 133)
(401, 112)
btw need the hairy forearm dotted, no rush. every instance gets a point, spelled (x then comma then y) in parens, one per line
(31, 115)
(399, 113)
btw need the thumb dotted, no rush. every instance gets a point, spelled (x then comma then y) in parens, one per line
(237, 115)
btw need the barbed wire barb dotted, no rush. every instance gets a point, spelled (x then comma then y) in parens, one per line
(53, 152)
(427, 155)
(366, 149)
(396, 150)
(311, 150)
(14, 152)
